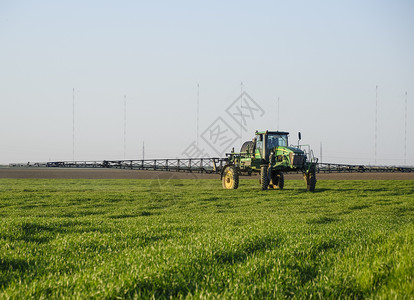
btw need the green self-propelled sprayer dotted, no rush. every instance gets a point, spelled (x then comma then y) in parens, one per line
(270, 155)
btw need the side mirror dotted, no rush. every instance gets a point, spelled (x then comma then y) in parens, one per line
(299, 136)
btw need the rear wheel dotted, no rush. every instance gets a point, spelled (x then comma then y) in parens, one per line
(310, 179)
(230, 178)
(264, 178)
(278, 180)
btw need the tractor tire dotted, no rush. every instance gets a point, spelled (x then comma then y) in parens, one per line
(310, 179)
(264, 178)
(230, 178)
(278, 180)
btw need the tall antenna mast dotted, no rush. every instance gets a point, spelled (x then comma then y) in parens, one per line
(241, 112)
(321, 152)
(143, 150)
(125, 126)
(198, 109)
(73, 124)
(376, 122)
(277, 113)
(405, 133)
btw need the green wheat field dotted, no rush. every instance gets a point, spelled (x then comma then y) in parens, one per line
(109, 239)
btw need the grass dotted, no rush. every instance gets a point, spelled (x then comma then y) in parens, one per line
(190, 238)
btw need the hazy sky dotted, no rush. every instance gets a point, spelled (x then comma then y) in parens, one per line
(322, 59)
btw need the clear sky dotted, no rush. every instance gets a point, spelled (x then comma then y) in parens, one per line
(322, 59)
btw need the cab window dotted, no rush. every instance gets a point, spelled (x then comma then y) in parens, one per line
(259, 142)
(274, 141)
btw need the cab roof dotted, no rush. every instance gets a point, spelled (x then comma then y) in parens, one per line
(271, 132)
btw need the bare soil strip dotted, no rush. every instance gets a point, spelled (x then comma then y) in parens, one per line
(53, 173)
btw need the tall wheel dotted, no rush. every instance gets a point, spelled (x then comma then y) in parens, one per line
(230, 178)
(264, 178)
(310, 179)
(278, 180)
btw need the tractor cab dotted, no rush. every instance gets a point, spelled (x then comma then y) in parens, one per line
(266, 141)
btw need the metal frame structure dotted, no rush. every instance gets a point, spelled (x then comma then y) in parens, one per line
(198, 165)
(343, 168)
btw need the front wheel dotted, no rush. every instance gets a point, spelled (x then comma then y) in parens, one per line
(264, 178)
(230, 178)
